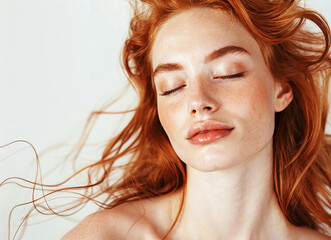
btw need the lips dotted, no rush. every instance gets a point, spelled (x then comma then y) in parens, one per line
(208, 131)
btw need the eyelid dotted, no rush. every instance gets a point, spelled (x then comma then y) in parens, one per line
(165, 93)
(236, 75)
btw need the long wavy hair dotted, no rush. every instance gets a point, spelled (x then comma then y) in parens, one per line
(301, 148)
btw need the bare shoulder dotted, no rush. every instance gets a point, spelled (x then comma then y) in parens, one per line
(132, 220)
(92, 227)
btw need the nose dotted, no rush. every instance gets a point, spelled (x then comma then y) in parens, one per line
(201, 100)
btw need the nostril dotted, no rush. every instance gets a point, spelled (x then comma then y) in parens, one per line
(206, 108)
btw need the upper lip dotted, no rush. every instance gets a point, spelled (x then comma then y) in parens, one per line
(205, 126)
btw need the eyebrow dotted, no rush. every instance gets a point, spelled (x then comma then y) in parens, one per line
(167, 67)
(221, 52)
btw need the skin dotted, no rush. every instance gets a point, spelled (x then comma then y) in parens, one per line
(229, 192)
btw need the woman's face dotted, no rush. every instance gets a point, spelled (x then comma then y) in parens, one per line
(216, 98)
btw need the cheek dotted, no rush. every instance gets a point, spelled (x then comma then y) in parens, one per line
(169, 117)
(162, 115)
(251, 106)
(172, 118)
(257, 112)
(255, 99)
(259, 100)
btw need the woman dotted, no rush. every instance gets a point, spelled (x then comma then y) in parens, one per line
(228, 140)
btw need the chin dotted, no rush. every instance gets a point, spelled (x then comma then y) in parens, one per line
(214, 162)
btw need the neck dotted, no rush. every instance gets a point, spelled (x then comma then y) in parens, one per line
(237, 202)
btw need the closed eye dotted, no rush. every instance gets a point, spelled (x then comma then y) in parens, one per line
(171, 91)
(237, 75)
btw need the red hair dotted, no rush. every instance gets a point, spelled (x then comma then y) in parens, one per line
(301, 168)
(301, 149)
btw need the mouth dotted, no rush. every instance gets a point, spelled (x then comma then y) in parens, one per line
(208, 131)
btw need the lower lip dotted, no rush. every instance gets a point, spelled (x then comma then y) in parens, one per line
(210, 136)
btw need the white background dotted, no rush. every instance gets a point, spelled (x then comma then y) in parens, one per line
(59, 60)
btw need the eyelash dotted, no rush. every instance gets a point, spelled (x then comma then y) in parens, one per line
(237, 75)
(171, 91)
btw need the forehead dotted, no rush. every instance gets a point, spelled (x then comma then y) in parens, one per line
(198, 31)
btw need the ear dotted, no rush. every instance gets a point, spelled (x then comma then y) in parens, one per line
(283, 95)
